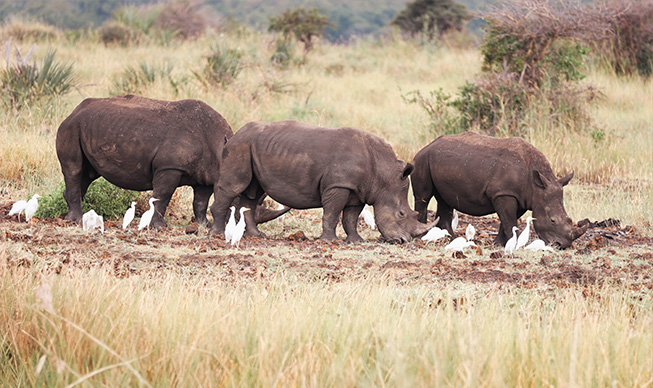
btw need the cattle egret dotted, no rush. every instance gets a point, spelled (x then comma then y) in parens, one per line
(240, 228)
(231, 225)
(30, 208)
(470, 232)
(434, 234)
(538, 245)
(454, 221)
(91, 220)
(511, 245)
(368, 217)
(17, 208)
(525, 234)
(458, 244)
(281, 217)
(129, 216)
(147, 216)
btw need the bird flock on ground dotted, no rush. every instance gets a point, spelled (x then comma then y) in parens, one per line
(234, 231)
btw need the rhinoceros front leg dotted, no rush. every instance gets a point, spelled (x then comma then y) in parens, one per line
(333, 202)
(201, 195)
(350, 222)
(163, 186)
(506, 208)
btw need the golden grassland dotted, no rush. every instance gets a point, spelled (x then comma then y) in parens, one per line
(180, 328)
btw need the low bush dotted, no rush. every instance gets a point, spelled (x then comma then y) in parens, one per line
(222, 66)
(135, 79)
(26, 30)
(106, 199)
(114, 33)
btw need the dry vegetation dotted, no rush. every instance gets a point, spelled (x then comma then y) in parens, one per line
(169, 308)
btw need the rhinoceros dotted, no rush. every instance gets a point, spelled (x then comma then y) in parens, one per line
(305, 166)
(479, 175)
(143, 144)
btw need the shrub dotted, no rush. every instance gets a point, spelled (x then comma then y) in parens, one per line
(631, 44)
(222, 66)
(433, 18)
(186, 18)
(25, 30)
(114, 33)
(303, 24)
(22, 82)
(135, 79)
(106, 199)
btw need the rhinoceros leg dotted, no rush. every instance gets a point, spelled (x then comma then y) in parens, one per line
(333, 202)
(201, 195)
(506, 208)
(350, 222)
(77, 182)
(445, 214)
(163, 186)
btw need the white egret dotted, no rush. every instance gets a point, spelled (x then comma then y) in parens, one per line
(281, 217)
(470, 232)
(147, 216)
(30, 208)
(511, 245)
(538, 245)
(454, 221)
(91, 220)
(231, 225)
(129, 216)
(434, 234)
(368, 217)
(17, 208)
(240, 228)
(458, 244)
(525, 234)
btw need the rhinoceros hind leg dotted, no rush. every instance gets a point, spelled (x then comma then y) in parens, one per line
(506, 208)
(76, 186)
(163, 186)
(251, 229)
(350, 223)
(445, 213)
(201, 195)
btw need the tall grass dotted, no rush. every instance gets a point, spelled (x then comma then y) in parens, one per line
(284, 331)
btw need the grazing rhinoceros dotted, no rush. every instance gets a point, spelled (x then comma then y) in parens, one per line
(479, 175)
(142, 144)
(304, 166)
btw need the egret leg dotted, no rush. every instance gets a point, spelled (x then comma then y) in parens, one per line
(333, 202)
(506, 208)
(350, 222)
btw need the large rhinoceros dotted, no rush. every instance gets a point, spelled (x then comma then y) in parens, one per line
(479, 175)
(304, 166)
(142, 144)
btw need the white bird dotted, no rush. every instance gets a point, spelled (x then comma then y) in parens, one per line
(30, 208)
(454, 221)
(129, 216)
(368, 217)
(17, 208)
(458, 244)
(525, 234)
(470, 232)
(231, 225)
(283, 216)
(434, 234)
(511, 245)
(538, 245)
(91, 220)
(240, 228)
(147, 216)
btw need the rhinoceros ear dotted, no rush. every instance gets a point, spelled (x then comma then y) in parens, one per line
(407, 171)
(565, 180)
(540, 180)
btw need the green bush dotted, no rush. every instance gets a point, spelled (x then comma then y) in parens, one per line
(135, 79)
(114, 33)
(432, 18)
(222, 66)
(106, 199)
(22, 82)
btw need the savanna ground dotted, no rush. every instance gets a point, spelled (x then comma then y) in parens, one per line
(167, 307)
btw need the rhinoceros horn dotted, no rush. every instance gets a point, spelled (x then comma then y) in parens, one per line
(421, 229)
(578, 231)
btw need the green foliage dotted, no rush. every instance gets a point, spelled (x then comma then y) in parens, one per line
(106, 199)
(303, 24)
(433, 18)
(136, 18)
(222, 66)
(283, 53)
(135, 79)
(438, 105)
(114, 33)
(22, 82)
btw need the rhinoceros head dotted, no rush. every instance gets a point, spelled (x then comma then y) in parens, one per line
(396, 221)
(552, 223)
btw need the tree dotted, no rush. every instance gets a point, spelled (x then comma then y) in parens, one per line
(431, 17)
(303, 24)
